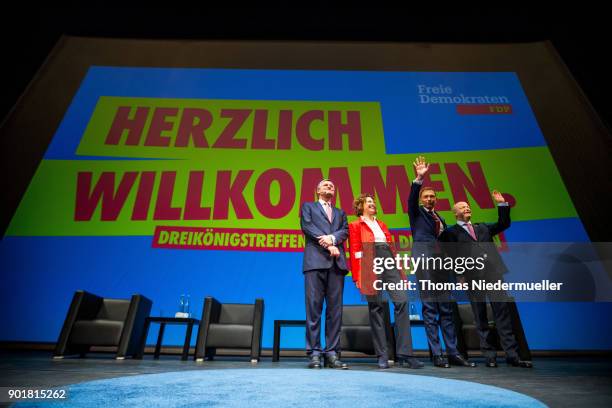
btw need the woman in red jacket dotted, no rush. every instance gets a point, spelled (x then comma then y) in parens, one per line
(369, 239)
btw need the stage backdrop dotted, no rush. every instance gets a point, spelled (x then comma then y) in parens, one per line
(170, 181)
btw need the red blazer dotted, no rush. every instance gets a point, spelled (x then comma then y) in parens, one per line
(362, 257)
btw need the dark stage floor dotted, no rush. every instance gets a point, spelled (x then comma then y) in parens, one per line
(558, 382)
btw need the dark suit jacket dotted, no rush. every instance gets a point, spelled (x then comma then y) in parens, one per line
(314, 223)
(459, 243)
(422, 224)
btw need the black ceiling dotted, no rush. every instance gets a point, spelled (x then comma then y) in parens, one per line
(582, 38)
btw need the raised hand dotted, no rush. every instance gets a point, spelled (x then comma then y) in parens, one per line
(498, 197)
(421, 167)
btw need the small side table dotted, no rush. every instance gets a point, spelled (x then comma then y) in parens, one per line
(417, 322)
(277, 332)
(163, 321)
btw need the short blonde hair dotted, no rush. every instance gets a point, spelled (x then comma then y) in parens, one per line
(426, 188)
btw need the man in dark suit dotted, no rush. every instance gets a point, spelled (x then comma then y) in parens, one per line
(426, 226)
(325, 228)
(476, 240)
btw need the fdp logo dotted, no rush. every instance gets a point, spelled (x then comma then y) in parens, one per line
(465, 104)
(484, 109)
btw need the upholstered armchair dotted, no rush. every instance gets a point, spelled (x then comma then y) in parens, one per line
(96, 321)
(230, 326)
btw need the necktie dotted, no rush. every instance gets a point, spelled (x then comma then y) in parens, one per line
(328, 210)
(471, 230)
(437, 221)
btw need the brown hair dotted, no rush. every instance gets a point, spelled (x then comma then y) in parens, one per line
(359, 202)
(426, 188)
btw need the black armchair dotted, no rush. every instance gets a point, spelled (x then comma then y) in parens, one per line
(230, 325)
(97, 321)
(467, 335)
(356, 334)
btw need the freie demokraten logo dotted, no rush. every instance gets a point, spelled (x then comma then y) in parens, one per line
(465, 104)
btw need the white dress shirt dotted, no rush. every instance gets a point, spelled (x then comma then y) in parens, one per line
(379, 235)
(325, 203)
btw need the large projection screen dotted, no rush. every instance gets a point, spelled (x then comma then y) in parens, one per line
(179, 167)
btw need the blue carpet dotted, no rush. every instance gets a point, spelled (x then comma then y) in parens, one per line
(287, 388)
